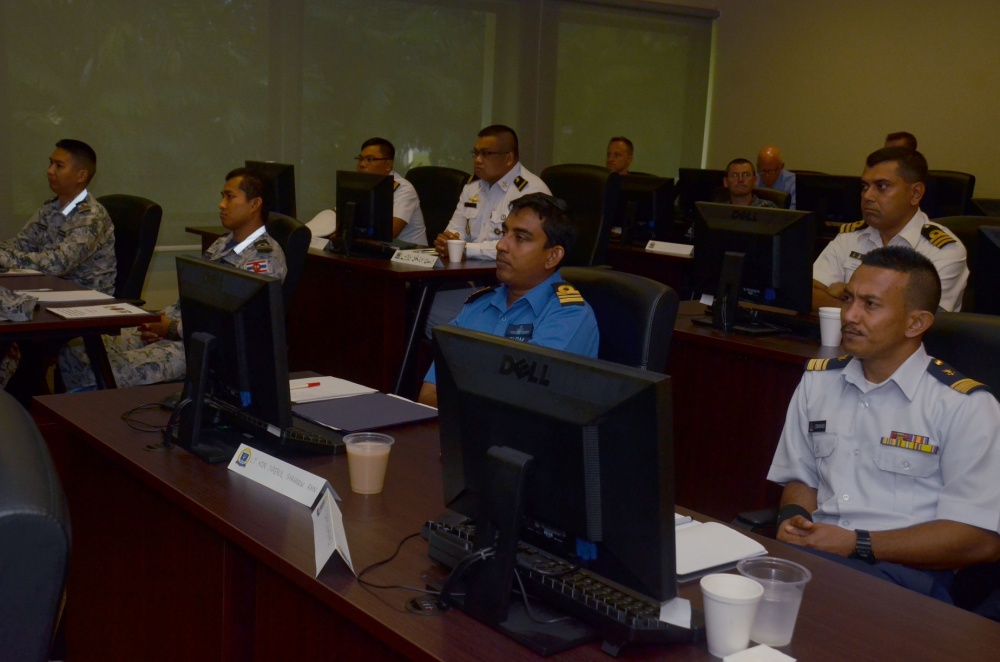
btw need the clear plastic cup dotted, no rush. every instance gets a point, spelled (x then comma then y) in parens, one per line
(367, 459)
(783, 582)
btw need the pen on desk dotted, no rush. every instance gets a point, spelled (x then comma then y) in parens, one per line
(309, 385)
(40, 289)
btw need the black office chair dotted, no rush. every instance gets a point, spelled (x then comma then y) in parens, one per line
(949, 193)
(34, 538)
(635, 315)
(438, 189)
(294, 238)
(591, 192)
(985, 207)
(966, 228)
(137, 225)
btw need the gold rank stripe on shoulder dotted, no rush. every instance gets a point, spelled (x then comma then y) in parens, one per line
(953, 379)
(568, 295)
(937, 236)
(395, 185)
(478, 293)
(853, 227)
(967, 385)
(471, 179)
(828, 364)
(520, 182)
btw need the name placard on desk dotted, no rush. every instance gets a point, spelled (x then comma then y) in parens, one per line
(328, 532)
(419, 257)
(669, 248)
(280, 476)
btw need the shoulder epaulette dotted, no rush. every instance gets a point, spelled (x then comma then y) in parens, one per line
(853, 227)
(478, 293)
(828, 364)
(952, 378)
(520, 182)
(471, 179)
(395, 185)
(937, 235)
(263, 245)
(567, 294)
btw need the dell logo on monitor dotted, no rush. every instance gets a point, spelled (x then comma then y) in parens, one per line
(522, 368)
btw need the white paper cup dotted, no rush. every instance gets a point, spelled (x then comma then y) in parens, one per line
(730, 606)
(456, 249)
(367, 459)
(783, 582)
(829, 326)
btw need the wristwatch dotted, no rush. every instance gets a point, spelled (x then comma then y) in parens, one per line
(863, 547)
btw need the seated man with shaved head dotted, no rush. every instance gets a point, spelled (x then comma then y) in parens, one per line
(771, 172)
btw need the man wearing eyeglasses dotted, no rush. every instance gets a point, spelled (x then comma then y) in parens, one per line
(739, 181)
(376, 157)
(499, 179)
(771, 172)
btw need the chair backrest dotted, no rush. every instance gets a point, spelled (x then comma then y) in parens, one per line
(968, 342)
(34, 537)
(591, 192)
(439, 189)
(966, 229)
(949, 193)
(635, 315)
(137, 225)
(294, 238)
(781, 198)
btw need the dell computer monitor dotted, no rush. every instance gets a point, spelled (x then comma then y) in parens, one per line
(601, 490)
(645, 209)
(364, 209)
(282, 177)
(985, 272)
(831, 198)
(777, 249)
(696, 185)
(236, 391)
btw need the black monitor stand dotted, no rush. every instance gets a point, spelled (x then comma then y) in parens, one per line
(727, 315)
(481, 585)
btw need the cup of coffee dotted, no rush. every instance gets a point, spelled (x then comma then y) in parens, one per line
(456, 250)
(783, 582)
(829, 326)
(730, 603)
(367, 459)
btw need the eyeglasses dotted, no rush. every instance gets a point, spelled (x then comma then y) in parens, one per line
(369, 159)
(484, 153)
(772, 171)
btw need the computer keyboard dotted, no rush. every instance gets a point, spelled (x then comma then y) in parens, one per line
(621, 616)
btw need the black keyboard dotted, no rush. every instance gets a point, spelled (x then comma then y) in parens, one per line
(621, 616)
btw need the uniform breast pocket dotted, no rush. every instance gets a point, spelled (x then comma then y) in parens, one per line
(905, 462)
(823, 445)
(850, 267)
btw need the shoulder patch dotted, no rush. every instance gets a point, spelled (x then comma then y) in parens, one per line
(853, 227)
(520, 182)
(479, 293)
(263, 245)
(952, 378)
(395, 185)
(567, 294)
(935, 234)
(828, 364)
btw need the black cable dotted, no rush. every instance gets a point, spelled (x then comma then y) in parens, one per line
(378, 564)
(527, 606)
(142, 426)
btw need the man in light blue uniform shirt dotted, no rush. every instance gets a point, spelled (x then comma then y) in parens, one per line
(771, 172)
(532, 304)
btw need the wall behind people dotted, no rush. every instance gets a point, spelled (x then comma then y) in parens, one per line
(828, 80)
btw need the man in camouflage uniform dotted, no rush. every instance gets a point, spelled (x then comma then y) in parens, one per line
(71, 235)
(155, 352)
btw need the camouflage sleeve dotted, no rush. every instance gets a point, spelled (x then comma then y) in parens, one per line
(82, 235)
(25, 241)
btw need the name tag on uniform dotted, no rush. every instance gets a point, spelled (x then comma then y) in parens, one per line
(520, 332)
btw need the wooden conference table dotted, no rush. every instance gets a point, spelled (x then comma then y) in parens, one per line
(350, 317)
(175, 559)
(47, 325)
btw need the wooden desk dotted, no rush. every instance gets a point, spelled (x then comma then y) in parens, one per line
(670, 270)
(47, 325)
(731, 393)
(175, 559)
(350, 317)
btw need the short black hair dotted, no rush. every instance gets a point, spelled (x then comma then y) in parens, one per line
(741, 162)
(911, 164)
(556, 220)
(923, 290)
(499, 130)
(908, 138)
(622, 139)
(388, 151)
(84, 156)
(255, 184)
